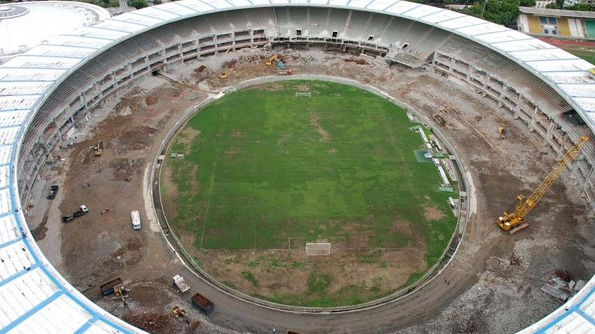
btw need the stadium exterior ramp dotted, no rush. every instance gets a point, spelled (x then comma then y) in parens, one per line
(34, 115)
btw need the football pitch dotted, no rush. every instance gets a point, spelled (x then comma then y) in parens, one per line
(264, 169)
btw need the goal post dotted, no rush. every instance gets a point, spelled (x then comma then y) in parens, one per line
(303, 94)
(318, 248)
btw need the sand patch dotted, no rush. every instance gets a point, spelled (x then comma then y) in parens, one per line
(232, 152)
(238, 134)
(315, 122)
(431, 214)
(303, 88)
(187, 135)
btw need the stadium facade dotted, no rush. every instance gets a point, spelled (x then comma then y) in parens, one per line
(48, 91)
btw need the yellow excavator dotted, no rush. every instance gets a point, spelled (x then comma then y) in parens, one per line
(502, 132)
(226, 73)
(178, 311)
(514, 222)
(273, 58)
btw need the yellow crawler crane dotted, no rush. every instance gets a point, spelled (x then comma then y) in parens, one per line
(514, 222)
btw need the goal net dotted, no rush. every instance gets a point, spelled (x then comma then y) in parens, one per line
(303, 94)
(318, 248)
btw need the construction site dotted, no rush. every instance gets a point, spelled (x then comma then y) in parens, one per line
(103, 245)
(524, 157)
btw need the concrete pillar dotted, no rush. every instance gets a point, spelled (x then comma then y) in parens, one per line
(123, 6)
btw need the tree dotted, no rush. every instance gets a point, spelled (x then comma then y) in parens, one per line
(498, 11)
(138, 4)
(582, 7)
(527, 3)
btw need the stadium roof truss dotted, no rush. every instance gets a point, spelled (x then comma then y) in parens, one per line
(40, 299)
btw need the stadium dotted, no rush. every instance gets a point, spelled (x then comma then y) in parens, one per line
(55, 97)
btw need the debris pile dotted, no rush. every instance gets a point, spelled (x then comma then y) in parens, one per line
(562, 286)
(356, 60)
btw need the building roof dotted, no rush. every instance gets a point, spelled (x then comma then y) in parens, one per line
(24, 25)
(557, 12)
(39, 295)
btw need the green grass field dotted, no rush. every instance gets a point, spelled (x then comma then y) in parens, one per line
(586, 54)
(261, 166)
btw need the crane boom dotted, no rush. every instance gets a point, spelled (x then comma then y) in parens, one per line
(514, 222)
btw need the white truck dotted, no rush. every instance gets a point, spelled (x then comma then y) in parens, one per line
(178, 281)
(135, 216)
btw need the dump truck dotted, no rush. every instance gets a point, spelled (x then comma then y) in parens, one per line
(178, 281)
(203, 303)
(83, 210)
(109, 287)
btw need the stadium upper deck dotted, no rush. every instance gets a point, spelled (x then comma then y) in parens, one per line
(30, 20)
(38, 295)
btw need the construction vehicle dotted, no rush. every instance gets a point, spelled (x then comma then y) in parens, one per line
(226, 73)
(286, 72)
(83, 210)
(178, 281)
(178, 311)
(98, 148)
(203, 303)
(281, 68)
(502, 132)
(53, 191)
(272, 59)
(514, 222)
(110, 287)
(135, 217)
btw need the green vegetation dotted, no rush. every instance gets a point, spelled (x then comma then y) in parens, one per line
(138, 4)
(414, 278)
(317, 283)
(501, 11)
(275, 263)
(371, 257)
(588, 55)
(262, 166)
(249, 276)
(559, 4)
(349, 295)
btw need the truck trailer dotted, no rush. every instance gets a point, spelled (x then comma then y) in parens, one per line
(83, 210)
(203, 303)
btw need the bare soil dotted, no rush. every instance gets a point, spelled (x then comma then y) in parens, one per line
(431, 214)
(315, 122)
(477, 293)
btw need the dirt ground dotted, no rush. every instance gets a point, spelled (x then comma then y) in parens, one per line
(480, 292)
